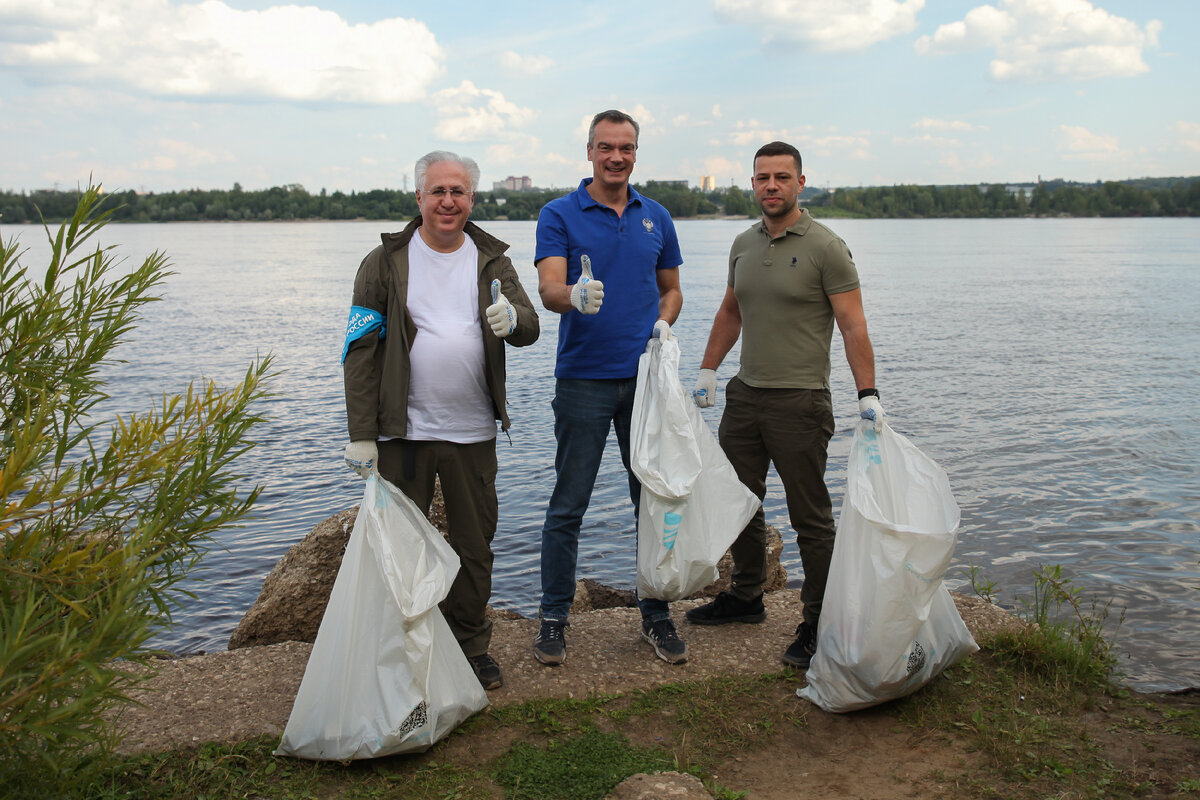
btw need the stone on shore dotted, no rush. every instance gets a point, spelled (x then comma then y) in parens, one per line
(660, 786)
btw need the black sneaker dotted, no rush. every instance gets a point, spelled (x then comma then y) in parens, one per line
(727, 608)
(800, 652)
(663, 637)
(550, 646)
(487, 670)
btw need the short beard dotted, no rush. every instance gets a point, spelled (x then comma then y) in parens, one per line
(782, 212)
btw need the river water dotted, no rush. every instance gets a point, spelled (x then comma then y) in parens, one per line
(1050, 366)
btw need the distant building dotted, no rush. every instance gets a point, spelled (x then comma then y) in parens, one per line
(677, 184)
(514, 184)
(708, 183)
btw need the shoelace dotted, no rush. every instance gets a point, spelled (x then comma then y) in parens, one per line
(552, 633)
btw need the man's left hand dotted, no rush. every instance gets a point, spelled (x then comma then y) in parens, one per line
(500, 314)
(662, 331)
(870, 408)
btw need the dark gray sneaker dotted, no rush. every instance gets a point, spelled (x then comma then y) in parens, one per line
(727, 608)
(800, 652)
(487, 670)
(550, 646)
(665, 640)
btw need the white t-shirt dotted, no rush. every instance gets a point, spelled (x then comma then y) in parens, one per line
(448, 399)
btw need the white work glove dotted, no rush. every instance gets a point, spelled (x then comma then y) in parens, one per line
(662, 331)
(500, 314)
(705, 393)
(588, 294)
(869, 408)
(363, 457)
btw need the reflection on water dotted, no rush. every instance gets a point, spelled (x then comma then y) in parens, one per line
(1048, 365)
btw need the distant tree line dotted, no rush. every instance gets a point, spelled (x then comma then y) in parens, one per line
(1180, 197)
(1147, 197)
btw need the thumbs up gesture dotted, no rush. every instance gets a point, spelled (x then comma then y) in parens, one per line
(500, 314)
(588, 294)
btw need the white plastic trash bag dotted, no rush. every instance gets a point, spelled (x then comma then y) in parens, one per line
(888, 624)
(693, 506)
(386, 674)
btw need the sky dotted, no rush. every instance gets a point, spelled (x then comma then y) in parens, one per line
(162, 95)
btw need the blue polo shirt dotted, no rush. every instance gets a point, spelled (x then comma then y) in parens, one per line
(626, 254)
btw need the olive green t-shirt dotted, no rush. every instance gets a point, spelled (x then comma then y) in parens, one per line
(782, 288)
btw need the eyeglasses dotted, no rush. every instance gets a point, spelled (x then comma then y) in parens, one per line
(455, 192)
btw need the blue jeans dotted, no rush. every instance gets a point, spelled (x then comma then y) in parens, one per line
(584, 410)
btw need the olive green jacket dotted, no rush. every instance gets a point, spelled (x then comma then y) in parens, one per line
(376, 371)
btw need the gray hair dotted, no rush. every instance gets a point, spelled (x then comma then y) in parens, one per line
(612, 115)
(429, 159)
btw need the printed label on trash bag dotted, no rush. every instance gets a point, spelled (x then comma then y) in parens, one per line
(671, 522)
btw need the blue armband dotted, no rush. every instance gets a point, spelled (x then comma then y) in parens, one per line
(362, 321)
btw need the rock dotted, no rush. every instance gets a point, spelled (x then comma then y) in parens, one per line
(776, 572)
(660, 786)
(295, 593)
(591, 595)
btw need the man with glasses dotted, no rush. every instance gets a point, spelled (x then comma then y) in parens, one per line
(424, 372)
(790, 279)
(608, 262)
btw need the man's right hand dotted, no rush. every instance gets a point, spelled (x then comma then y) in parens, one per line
(705, 393)
(363, 457)
(588, 295)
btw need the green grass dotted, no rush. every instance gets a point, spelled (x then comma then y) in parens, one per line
(582, 766)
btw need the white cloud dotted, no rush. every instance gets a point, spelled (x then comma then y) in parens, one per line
(721, 168)
(642, 115)
(166, 155)
(294, 53)
(753, 133)
(716, 111)
(856, 147)
(1044, 40)
(929, 124)
(845, 26)
(1189, 135)
(513, 153)
(1080, 144)
(526, 65)
(928, 139)
(469, 114)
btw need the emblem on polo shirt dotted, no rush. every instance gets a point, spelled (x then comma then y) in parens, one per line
(648, 225)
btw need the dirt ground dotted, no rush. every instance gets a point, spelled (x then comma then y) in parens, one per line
(238, 695)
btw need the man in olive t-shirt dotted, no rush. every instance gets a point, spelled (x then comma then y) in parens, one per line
(790, 280)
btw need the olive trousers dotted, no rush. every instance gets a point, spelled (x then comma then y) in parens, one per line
(468, 477)
(791, 429)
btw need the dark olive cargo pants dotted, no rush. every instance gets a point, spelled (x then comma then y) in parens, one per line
(790, 428)
(468, 475)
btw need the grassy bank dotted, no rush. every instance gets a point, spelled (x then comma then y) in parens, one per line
(1024, 718)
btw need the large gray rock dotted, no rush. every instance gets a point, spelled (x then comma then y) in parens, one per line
(776, 572)
(295, 593)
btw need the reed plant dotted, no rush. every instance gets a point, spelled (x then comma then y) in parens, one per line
(100, 520)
